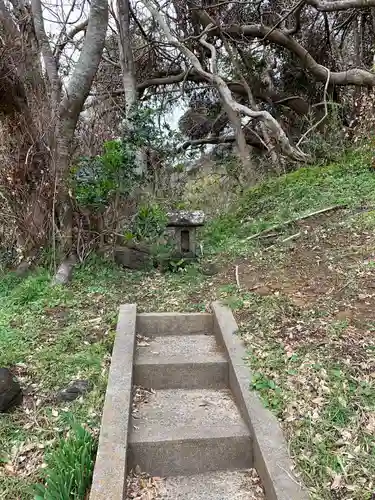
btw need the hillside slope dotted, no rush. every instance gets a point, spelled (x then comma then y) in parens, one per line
(303, 293)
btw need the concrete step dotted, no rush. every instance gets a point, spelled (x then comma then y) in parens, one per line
(157, 324)
(182, 432)
(221, 485)
(181, 362)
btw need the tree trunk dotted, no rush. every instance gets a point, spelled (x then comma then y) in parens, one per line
(243, 148)
(126, 56)
(128, 78)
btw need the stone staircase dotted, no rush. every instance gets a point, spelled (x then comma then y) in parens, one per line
(191, 425)
(200, 428)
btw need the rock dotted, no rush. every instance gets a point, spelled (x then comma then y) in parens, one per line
(185, 218)
(263, 291)
(65, 271)
(10, 391)
(132, 258)
(74, 390)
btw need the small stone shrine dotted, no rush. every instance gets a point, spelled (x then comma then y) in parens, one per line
(183, 225)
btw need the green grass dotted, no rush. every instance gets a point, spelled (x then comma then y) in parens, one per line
(53, 335)
(325, 404)
(350, 182)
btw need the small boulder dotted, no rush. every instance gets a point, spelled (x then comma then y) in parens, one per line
(10, 391)
(74, 390)
(133, 258)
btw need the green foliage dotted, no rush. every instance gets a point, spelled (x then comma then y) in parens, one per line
(327, 144)
(8, 281)
(149, 223)
(31, 289)
(149, 226)
(146, 131)
(271, 394)
(69, 467)
(349, 181)
(96, 181)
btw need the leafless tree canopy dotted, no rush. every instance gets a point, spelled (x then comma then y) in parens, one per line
(263, 76)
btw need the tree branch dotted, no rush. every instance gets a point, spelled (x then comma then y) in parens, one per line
(224, 91)
(296, 9)
(126, 55)
(354, 76)
(251, 139)
(296, 103)
(323, 117)
(49, 60)
(68, 38)
(88, 62)
(338, 5)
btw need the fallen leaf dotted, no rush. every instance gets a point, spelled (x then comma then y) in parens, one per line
(336, 483)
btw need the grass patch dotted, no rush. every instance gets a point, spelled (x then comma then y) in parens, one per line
(325, 404)
(69, 467)
(350, 182)
(51, 336)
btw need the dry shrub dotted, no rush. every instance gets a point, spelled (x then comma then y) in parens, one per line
(363, 121)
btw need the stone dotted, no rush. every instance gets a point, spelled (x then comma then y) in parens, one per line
(263, 291)
(10, 391)
(74, 390)
(65, 271)
(132, 258)
(186, 218)
(185, 225)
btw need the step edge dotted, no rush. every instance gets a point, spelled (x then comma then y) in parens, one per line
(142, 453)
(111, 460)
(161, 324)
(242, 433)
(182, 362)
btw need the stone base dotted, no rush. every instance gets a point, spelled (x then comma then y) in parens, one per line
(133, 258)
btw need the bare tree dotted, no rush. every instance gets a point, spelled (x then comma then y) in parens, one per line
(44, 117)
(233, 108)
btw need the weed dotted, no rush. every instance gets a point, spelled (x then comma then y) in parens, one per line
(149, 222)
(69, 467)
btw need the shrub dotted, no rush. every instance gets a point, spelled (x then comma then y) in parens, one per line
(149, 223)
(96, 181)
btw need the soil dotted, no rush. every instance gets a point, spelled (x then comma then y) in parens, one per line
(330, 268)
